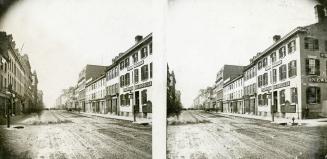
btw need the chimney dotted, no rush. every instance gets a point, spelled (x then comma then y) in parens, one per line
(320, 13)
(276, 38)
(138, 38)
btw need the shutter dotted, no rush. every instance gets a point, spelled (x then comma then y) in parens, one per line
(317, 67)
(289, 69)
(280, 73)
(318, 94)
(307, 66)
(295, 68)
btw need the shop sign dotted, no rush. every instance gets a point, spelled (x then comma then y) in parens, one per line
(143, 85)
(135, 65)
(281, 85)
(323, 55)
(277, 63)
(266, 89)
(128, 89)
(318, 80)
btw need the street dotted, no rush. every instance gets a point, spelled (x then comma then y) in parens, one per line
(60, 134)
(225, 136)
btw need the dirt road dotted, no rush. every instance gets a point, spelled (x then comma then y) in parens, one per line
(234, 137)
(59, 134)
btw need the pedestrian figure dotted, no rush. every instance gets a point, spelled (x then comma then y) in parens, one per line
(306, 112)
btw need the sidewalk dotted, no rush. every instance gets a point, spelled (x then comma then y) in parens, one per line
(141, 121)
(277, 120)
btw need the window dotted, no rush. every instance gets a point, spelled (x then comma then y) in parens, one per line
(265, 62)
(282, 52)
(259, 65)
(311, 44)
(144, 96)
(274, 75)
(292, 68)
(127, 79)
(312, 66)
(151, 70)
(293, 95)
(273, 57)
(150, 48)
(122, 65)
(144, 52)
(135, 57)
(260, 99)
(325, 45)
(127, 100)
(313, 95)
(265, 99)
(136, 75)
(282, 72)
(127, 62)
(122, 81)
(265, 79)
(122, 99)
(291, 46)
(144, 72)
(282, 96)
(259, 80)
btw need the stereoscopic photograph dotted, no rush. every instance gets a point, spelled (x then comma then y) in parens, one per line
(163, 79)
(248, 79)
(76, 79)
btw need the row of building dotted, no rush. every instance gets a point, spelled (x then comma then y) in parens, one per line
(122, 88)
(288, 79)
(17, 81)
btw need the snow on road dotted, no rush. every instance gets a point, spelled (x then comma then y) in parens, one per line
(58, 134)
(233, 137)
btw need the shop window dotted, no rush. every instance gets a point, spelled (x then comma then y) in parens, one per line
(294, 95)
(313, 95)
(122, 99)
(282, 72)
(291, 46)
(312, 66)
(311, 44)
(292, 68)
(282, 97)
(127, 100)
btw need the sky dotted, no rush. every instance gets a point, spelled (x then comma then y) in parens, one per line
(62, 36)
(203, 35)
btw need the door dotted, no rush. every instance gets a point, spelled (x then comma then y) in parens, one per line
(275, 101)
(137, 101)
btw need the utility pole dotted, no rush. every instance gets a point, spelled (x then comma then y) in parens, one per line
(11, 104)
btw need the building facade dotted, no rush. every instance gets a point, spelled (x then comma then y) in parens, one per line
(233, 95)
(15, 72)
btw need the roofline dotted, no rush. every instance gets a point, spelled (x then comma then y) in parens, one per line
(134, 46)
(233, 80)
(287, 36)
(95, 80)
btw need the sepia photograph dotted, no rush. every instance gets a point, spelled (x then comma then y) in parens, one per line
(247, 79)
(76, 79)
